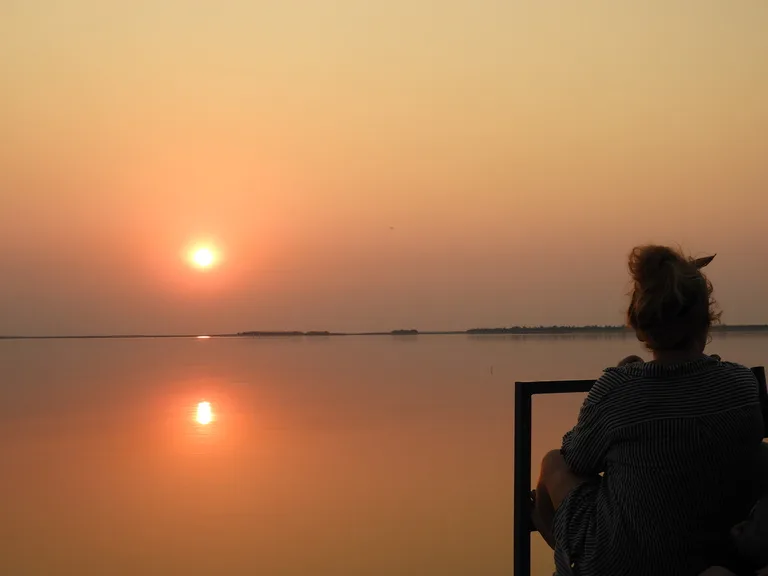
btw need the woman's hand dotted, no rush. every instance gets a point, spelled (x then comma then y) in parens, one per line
(718, 571)
(630, 360)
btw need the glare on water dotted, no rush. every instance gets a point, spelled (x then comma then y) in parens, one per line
(204, 413)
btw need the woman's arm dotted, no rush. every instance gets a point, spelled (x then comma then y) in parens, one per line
(585, 446)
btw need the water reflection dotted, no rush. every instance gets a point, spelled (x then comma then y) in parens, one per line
(204, 418)
(204, 414)
(329, 448)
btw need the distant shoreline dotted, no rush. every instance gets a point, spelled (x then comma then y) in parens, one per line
(513, 330)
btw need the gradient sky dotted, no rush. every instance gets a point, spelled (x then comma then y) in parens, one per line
(373, 165)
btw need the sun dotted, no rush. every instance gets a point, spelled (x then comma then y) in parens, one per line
(203, 257)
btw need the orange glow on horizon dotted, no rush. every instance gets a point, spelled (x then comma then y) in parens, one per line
(204, 414)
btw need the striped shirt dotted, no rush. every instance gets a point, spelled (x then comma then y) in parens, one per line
(669, 448)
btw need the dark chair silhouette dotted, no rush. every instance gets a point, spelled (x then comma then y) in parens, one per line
(524, 392)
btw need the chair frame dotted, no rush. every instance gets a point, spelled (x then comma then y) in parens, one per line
(524, 392)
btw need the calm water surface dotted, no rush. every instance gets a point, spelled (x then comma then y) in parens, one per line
(350, 456)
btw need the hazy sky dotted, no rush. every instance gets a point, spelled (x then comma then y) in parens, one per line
(366, 164)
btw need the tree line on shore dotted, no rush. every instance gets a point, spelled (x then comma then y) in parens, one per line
(553, 329)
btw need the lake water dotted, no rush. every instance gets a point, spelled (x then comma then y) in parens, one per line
(328, 456)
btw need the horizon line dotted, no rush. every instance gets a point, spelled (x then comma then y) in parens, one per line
(397, 332)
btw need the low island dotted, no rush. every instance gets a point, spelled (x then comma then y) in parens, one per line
(512, 330)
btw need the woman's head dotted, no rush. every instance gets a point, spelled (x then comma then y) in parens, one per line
(671, 306)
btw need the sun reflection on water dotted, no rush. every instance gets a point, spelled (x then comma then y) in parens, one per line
(204, 414)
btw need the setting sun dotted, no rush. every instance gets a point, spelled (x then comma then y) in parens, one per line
(203, 257)
(204, 413)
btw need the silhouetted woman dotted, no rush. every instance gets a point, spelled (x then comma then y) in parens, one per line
(654, 474)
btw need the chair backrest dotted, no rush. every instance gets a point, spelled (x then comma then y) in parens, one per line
(759, 373)
(524, 392)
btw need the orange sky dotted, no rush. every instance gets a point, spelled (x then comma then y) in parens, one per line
(518, 150)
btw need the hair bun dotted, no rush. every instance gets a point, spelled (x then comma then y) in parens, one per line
(671, 296)
(654, 267)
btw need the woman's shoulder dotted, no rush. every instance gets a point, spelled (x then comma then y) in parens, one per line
(694, 369)
(709, 368)
(736, 368)
(734, 374)
(612, 379)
